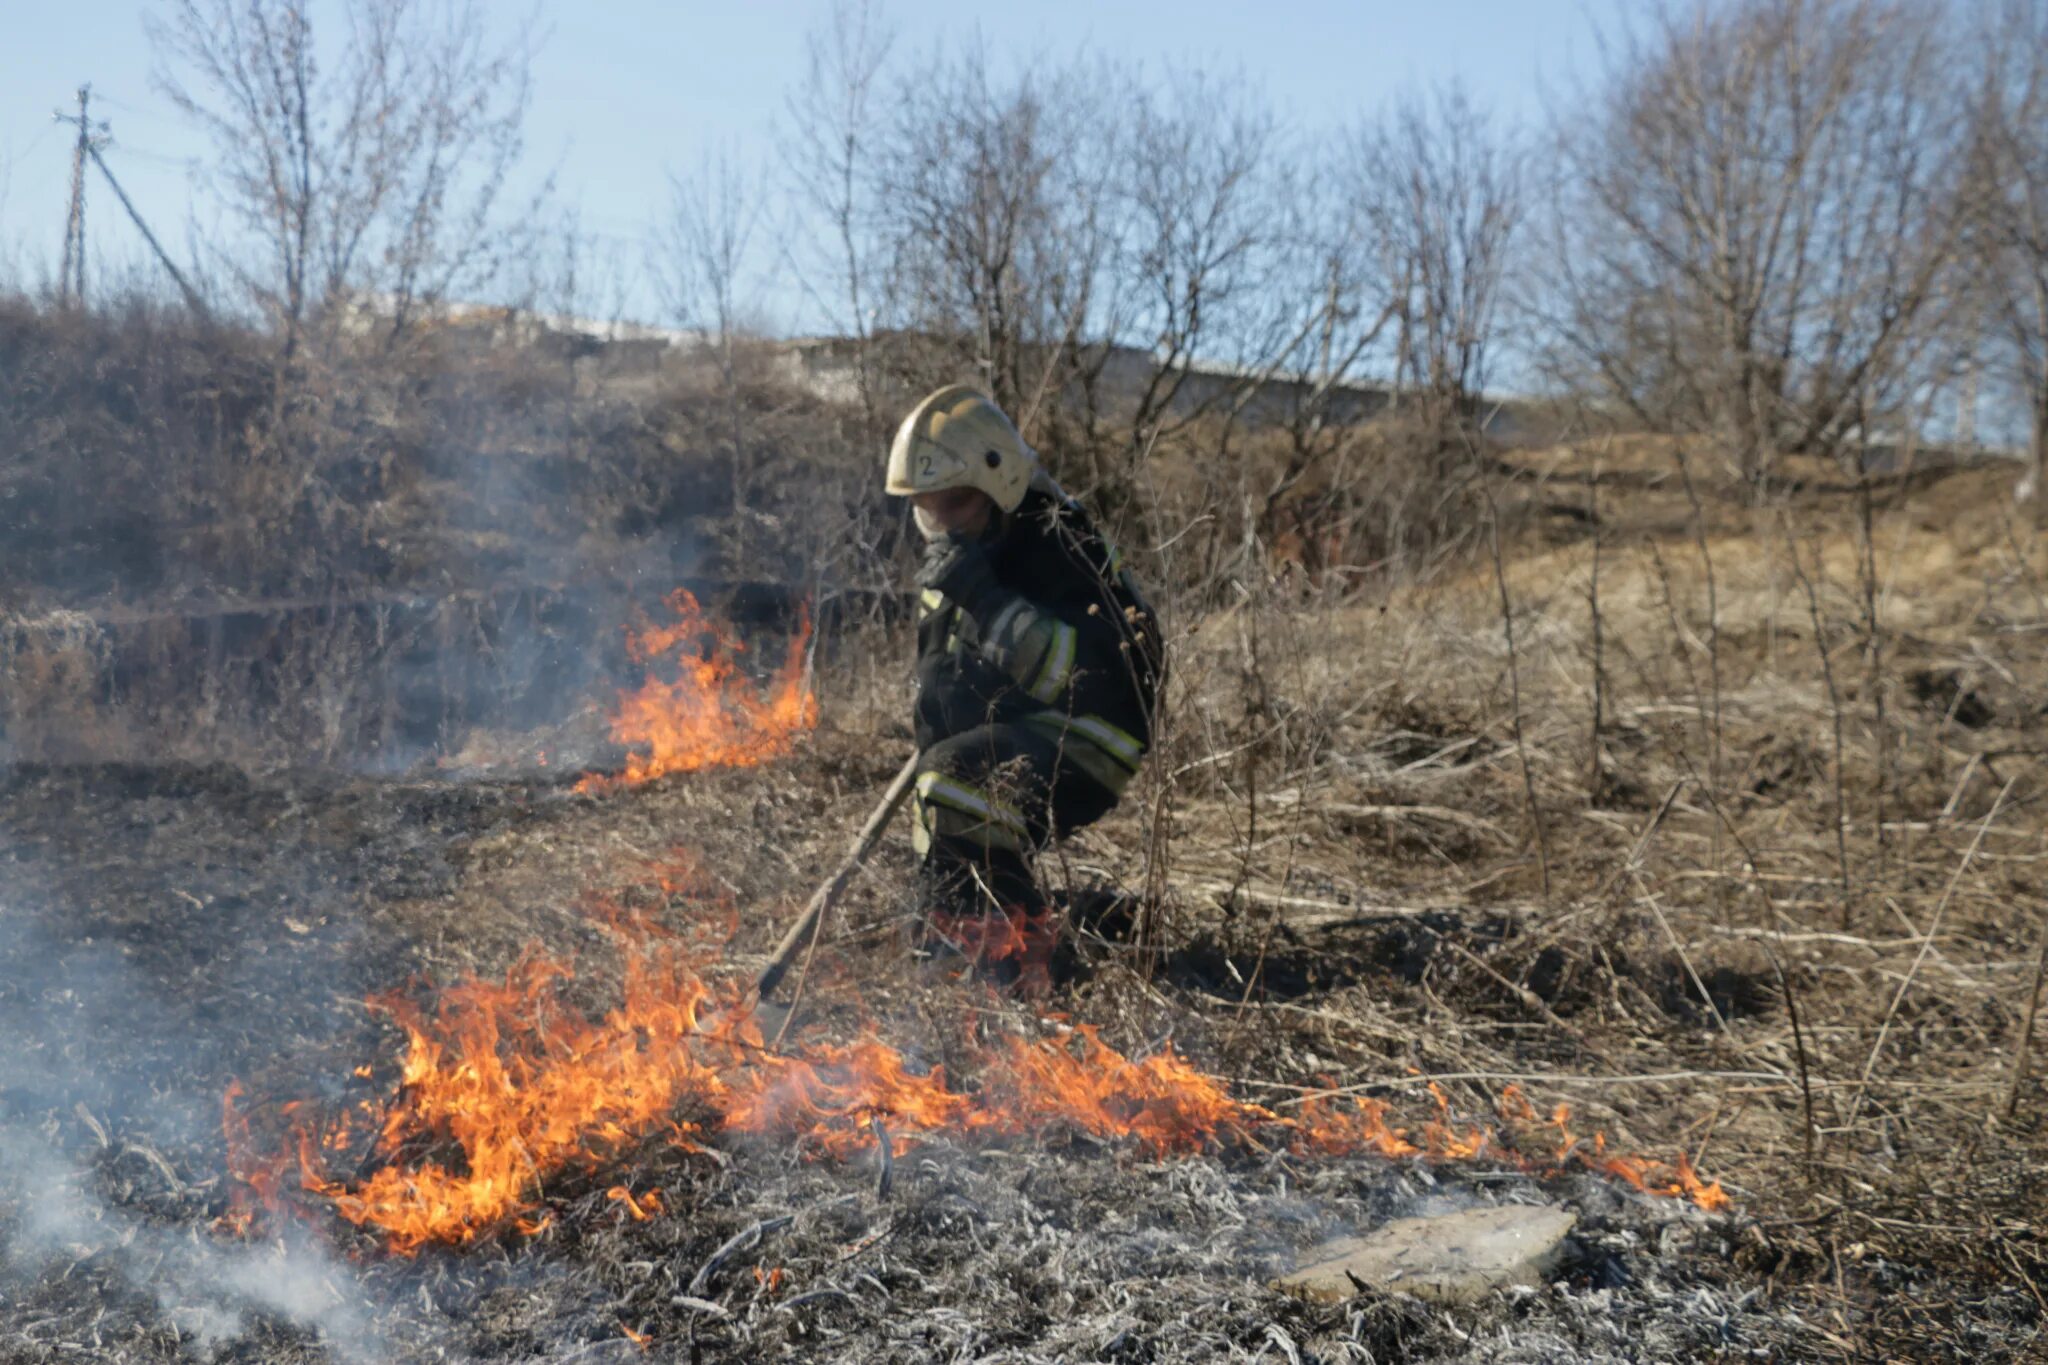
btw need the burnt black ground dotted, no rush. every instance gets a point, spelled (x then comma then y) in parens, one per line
(166, 930)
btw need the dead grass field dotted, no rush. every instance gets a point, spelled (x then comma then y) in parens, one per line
(1346, 889)
(1701, 889)
(1781, 909)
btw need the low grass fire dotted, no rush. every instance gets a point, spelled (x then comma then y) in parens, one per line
(504, 1085)
(697, 709)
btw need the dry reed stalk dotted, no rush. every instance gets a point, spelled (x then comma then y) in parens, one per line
(1528, 998)
(1598, 630)
(1507, 625)
(1926, 947)
(1867, 580)
(2019, 1061)
(1827, 673)
(1697, 515)
(1757, 880)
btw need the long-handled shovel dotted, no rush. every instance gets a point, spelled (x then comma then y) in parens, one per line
(774, 1018)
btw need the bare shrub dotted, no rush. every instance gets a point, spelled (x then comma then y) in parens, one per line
(52, 678)
(704, 264)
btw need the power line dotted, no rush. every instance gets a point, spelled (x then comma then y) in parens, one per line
(128, 107)
(38, 140)
(129, 149)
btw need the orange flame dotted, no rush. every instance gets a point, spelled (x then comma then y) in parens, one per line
(642, 1208)
(505, 1084)
(707, 714)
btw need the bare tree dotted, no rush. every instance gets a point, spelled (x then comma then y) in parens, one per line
(1409, 228)
(703, 267)
(996, 211)
(1754, 219)
(832, 123)
(1328, 300)
(703, 261)
(1207, 228)
(1441, 190)
(2009, 201)
(1118, 259)
(368, 166)
(1190, 225)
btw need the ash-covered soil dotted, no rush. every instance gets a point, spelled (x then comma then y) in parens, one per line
(166, 931)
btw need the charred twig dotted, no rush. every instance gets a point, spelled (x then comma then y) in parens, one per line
(2019, 1061)
(592, 1348)
(1791, 997)
(1249, 897)
(697, 1305)
(1530, 1000)
(869, 1241)
(1277, 1335)
(1598, 632)
(1305, 1093)
(1687, 642)
(1649, 898)
(743, 1240)
(1349, 817)
(1633, 862)
(85, 1116)
(1756, 878)
(884, 1157)
(881, 1289)
(1866, 573)
(156, 1159)
(1699, 534)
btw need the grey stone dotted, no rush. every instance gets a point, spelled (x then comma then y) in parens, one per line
(1455, 1258)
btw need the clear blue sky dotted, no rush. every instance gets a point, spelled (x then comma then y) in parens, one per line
(625, 89)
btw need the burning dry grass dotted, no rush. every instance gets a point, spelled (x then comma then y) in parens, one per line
(697, 709)
(522, 1086)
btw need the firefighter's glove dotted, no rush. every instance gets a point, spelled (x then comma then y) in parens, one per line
(1007, 630)
(964, 572)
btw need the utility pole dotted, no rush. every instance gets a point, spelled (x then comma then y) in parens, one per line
(71, 275)
(92, 140)
(192, 299)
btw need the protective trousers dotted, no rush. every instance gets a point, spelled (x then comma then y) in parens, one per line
(987, 800)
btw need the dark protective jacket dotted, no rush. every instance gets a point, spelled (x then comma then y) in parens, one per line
(1074, 651)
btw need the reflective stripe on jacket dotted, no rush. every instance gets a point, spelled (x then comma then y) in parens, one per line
(1079, 635)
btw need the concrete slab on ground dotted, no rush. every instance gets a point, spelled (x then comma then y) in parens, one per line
(1452, 1258)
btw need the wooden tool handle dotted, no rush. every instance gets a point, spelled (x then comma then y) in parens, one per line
(821, 901)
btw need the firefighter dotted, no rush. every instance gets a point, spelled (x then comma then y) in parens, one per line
(1038, 665)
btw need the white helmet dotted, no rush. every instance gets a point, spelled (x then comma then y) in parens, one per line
(957, 438)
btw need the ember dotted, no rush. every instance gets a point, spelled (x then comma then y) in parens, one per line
(707, 714)
(524, 1085)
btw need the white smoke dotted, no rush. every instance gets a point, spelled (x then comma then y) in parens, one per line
(204, 1288)
(51, 1219)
